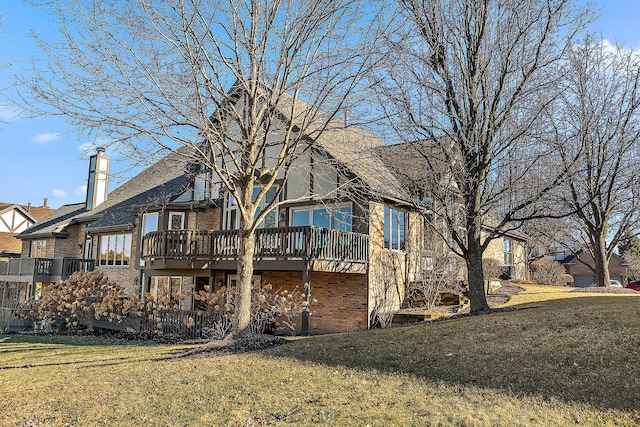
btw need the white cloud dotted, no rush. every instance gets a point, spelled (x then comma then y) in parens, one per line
(80, 191)
(59, 193)
(611, 47)
(607, 46)
(8, 114)
(45, 137)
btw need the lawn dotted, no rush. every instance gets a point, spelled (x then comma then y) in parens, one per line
(568, 359)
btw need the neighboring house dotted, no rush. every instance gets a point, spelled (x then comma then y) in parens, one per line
(351, 233)
(15, 219)
(579, 266)
(509, 249)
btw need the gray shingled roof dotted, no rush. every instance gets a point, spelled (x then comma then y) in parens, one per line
(353, 147)
(54, 224)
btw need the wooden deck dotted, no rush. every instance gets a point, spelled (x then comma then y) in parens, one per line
(287, 248)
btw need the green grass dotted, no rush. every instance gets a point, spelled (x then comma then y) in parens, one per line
(550, 362)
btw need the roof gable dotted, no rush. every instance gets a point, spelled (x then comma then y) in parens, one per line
(352, 147)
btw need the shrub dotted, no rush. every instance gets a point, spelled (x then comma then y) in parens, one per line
(492, 268)
(80, 300)
(548, 272)
(286, 307)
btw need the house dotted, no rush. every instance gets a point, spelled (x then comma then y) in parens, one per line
(14, 219)
(508, 247)
(509, 250)
(349, 232)
(581, 264)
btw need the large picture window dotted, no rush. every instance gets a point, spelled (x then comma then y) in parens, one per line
(395, 226)
(115, 250)
(335, 217)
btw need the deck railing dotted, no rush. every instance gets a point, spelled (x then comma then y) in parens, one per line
(46, 267)
(305, 242)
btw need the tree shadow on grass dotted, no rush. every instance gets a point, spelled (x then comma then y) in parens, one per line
(575, 350)
(32, 351)
(74, 340)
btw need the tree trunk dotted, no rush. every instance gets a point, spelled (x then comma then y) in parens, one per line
(246, 250)
(475, 275)
(601, 262)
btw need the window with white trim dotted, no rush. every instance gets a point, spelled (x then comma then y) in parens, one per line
(149, 225)
(337, 217)
(230, 213)
(115, 250)
(395, 226)
(271, 219)
(176, 221)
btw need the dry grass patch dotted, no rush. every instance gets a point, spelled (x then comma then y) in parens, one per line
(558, 364)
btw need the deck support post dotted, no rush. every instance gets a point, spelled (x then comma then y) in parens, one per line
(306, 282)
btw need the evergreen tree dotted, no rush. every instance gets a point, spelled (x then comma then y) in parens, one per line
(629, 244)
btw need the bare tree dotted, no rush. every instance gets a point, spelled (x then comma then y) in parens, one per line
(601, 113)
(472, 80)
(219, 77)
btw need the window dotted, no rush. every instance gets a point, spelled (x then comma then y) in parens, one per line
(38, 249)
(115, 250)
(149, 223)
(88, 247)
(170, 287)
(232, 280)
(508, 252)
(176, 221)
(335, 217)
(395, 226)
(271, 219)
(231, 214)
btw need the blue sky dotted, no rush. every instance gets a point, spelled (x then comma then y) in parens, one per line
(42, 157)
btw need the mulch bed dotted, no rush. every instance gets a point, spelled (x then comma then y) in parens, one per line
(233, 344)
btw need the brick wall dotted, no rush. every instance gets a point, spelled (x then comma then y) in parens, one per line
(127, 277)
(69, 247)
(340, 299)
(210, 219)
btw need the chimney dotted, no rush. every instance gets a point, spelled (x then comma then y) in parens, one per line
(29, 207)
(45, 202)
(98, 181)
